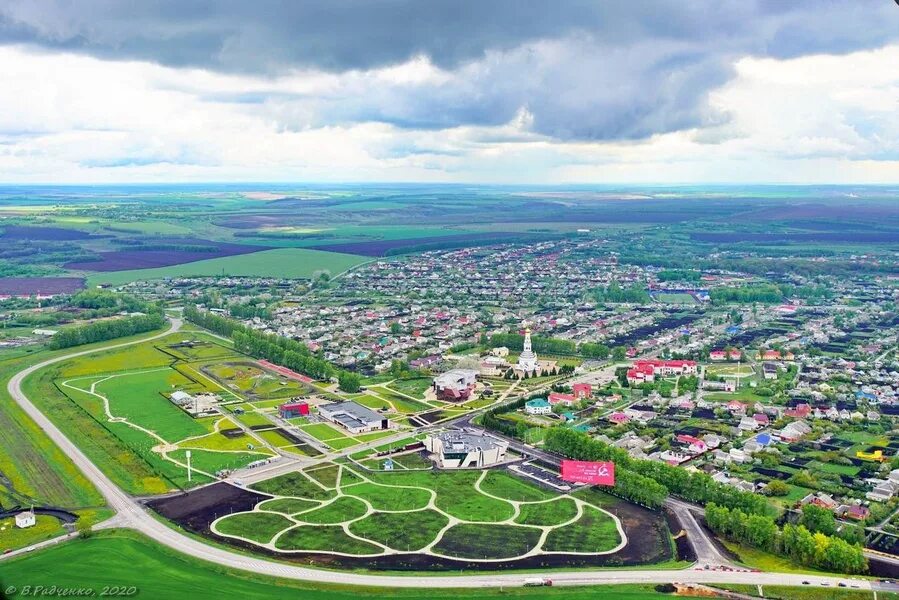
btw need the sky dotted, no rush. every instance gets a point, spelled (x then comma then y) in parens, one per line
(505, 91)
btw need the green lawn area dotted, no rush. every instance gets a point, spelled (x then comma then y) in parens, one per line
(370, 401)
(757, 559)
(510, 487)
(595, 531)
(833, 468)
(487, 541)
(413, 460)
(402, 404)
(401, 531)
(252, 419)
(287, 506)
(412, 387)
(455, 493)
(342, 509)
(323, 431)
(258, 526)
(342, 443)
(556, 512)
(389, 498)
(294, 484)
(297, 263)
(328, 538)
(158, 572)
(326, 474)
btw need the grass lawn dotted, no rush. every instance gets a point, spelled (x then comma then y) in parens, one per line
(213, 462)
(412, 387)
(342, 443)
(295, 263)
(342, 509)
(259, 527)
(326, 474)
(401, 403)
(158, 572)
(510, 487)
(487, 541)
(371, 402)
(294, 484)
(851, 470)
(413, 461)
(287, 506)
(757, 559)
(595, 531)
(138, 397)
(455, 493)
(556, 512)
(322, 431)
(389, 498)
(253, 419)
(45, 528)
(401, 531)
(328, 538)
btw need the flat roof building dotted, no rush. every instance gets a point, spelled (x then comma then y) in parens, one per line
(353, 417)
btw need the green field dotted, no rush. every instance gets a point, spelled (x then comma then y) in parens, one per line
(128, 559)
(297, 263)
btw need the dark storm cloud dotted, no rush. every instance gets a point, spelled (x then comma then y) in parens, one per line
(584, 70)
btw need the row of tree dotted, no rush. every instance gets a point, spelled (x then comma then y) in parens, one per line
(107, 330)
(747, 294)
(803, 545)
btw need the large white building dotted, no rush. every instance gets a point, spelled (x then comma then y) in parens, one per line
(527, 360)
(456, 449)
(353, 417)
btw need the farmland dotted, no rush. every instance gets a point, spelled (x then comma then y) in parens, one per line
(285, 262)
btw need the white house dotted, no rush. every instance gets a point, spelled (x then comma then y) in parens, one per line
(25, 519)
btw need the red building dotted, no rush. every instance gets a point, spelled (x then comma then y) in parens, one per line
(293, 409)
(582, 390)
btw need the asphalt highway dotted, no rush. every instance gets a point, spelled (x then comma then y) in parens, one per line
(131, 514)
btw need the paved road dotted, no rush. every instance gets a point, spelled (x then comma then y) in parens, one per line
(130, 513)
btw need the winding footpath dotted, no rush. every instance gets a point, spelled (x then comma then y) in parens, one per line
(131, 514)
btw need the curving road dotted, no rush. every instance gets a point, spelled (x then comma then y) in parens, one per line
(130, 513)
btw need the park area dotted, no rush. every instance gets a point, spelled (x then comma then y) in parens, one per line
(116, 402)
(343, 509)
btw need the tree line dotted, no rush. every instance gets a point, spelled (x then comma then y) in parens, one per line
(614, 293)
(107, 330)
(803, 545)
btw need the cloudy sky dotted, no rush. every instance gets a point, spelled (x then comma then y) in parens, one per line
(517, 91)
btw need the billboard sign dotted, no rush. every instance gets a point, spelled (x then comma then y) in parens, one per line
(594, 473)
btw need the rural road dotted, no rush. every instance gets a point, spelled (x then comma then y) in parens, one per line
(131, 514)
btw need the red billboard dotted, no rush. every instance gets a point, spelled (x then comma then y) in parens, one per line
(594, 473)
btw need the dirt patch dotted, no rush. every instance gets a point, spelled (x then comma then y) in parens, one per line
(197, 509)
(56, 234)
(193, 250)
